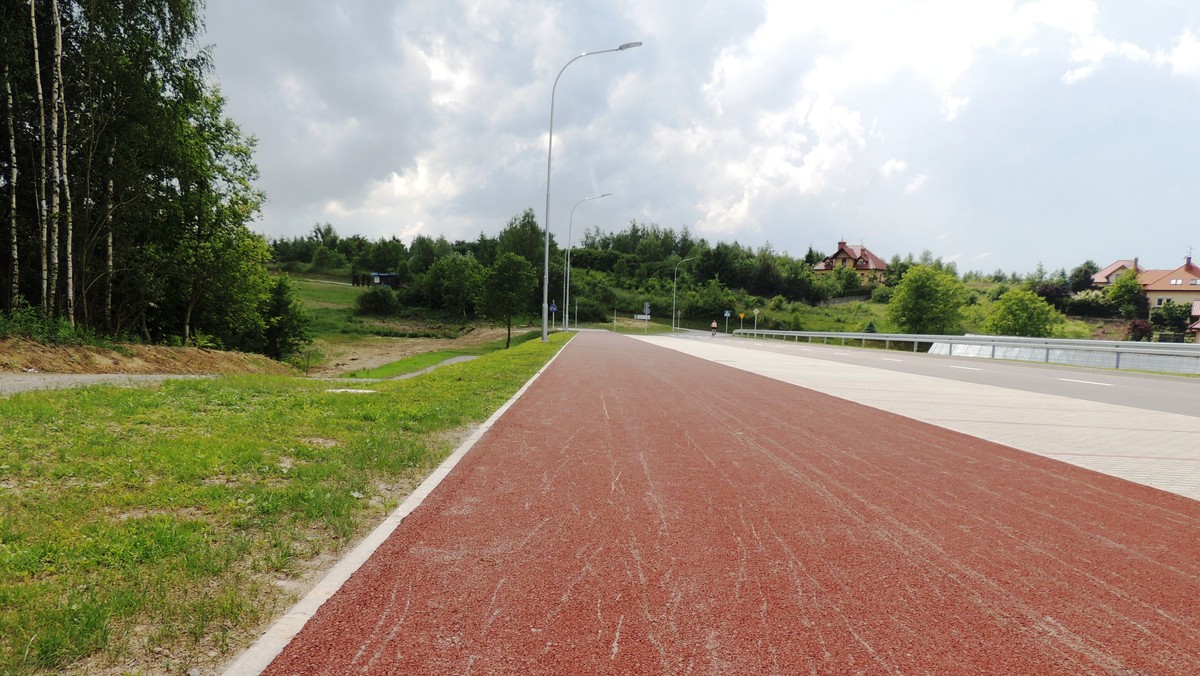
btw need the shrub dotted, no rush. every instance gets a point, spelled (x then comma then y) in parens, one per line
(1139, 329)
(378, 301)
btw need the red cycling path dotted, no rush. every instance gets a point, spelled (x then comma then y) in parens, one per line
(626, 516)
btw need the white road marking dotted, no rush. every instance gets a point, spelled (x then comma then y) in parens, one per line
(890, 359)
(844, 354)
(1085, 382)
(966, 368)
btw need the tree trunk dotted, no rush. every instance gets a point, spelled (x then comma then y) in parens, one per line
(55, 169)
(40, 188)
(108, 246)
(63, 176)
(15, 290)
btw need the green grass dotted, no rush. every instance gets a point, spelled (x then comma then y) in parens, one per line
(136, 519)
(425, 360)
(331, 306)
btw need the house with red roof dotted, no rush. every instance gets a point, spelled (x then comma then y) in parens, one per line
(1181, 285)
(1109, 274)
(858, 258)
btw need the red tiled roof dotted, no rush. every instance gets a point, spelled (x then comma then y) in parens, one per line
(1105, 276)
(1160, 280)
(861, 255)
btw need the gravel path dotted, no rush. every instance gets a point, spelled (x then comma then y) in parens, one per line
(642, 511)
(11, 383)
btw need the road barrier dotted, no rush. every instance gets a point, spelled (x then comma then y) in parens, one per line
(1109, 354)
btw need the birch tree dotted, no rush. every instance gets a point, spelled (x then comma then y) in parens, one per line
(40, 186)
(15, 258)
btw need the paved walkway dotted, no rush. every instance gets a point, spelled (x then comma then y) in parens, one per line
(624, 516)
(1150, 447)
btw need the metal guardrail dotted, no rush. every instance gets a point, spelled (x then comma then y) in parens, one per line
(1113, 354)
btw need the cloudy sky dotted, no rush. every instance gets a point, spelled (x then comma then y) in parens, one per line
(994, 133)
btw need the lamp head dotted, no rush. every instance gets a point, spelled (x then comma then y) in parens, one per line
(628, 45)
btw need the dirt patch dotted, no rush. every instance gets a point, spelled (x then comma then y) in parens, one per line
(375, 352)
(18, 355)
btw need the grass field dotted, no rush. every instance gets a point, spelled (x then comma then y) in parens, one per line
(425, 360)
(154, 529)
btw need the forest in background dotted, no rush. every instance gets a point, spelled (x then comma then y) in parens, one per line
(127, 192)
(620, 271)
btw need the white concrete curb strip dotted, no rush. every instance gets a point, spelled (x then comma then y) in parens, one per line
(260, 655)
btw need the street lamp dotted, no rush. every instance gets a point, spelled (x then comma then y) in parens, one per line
(567, 262)
(549, 155)
(673, 279)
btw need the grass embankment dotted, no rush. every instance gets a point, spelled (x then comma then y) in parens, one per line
(426, 359)
(156, 528)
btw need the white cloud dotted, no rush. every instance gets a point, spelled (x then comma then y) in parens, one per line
(915, 184)
(893, 167)
(1184, 59)
(756, 120)
(952, 106)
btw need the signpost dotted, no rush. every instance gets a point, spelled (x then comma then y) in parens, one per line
(553, 309)
(755, 319)
(645, 316)
(741, 320)
(727, 313)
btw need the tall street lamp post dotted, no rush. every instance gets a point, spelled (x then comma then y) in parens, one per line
(549, 155)
(673, 280)
(567, 262)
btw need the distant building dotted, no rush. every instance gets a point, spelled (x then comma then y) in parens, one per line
(1109, 274)
(1181, 285)
(389, 279)
(858, 258)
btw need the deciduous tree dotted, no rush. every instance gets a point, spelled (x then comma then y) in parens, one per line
(928, 301)
(506, 289)
(1127, 296)
(1021, 312)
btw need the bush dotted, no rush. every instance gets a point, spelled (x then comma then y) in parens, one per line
(25, 320)
(882, 294)
(1139, 329)
(1090, 303)
(378, 301)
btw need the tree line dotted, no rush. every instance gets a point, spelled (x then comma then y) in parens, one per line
(609, 270)
(127, 191)
(619, 271)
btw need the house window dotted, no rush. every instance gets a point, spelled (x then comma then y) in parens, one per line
(1196, 282)
(1160, 301)
(1176, 282)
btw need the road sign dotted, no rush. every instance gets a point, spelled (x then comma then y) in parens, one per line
(727, 314)
(643, 317)
(755, 312)
(741, 315)
(553, 307)
(646, 308)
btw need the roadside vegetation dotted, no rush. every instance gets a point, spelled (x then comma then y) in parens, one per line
(617, 273)
(143, 528)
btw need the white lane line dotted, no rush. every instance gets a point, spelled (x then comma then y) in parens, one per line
(844, 354)
(966, 368)
(890, 359)
(1085, 382)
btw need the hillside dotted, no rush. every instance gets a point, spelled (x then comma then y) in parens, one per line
(25, 356)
